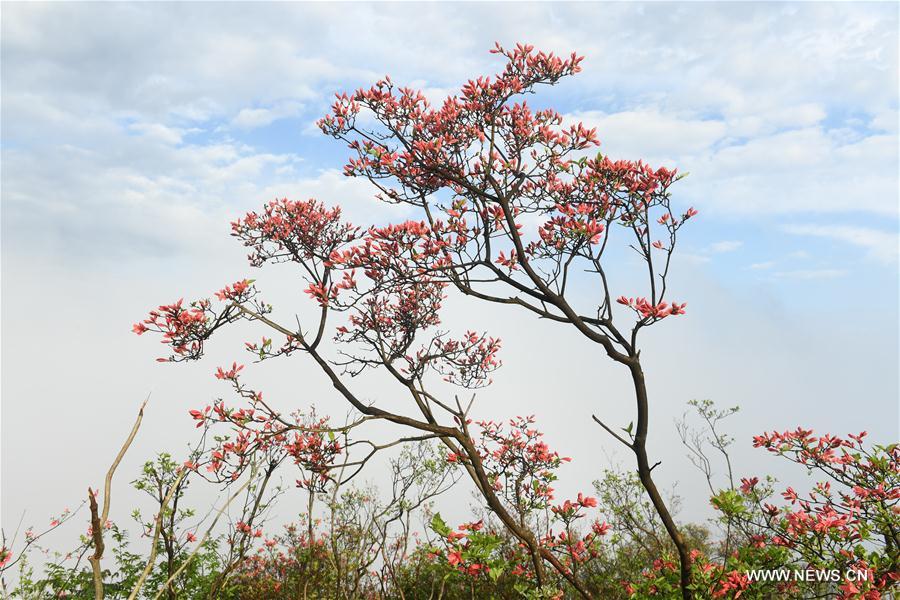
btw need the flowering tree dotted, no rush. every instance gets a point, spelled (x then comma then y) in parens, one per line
(484, 168)
(510, 199)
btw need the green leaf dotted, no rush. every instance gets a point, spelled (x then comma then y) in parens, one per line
(439, 526)
(730, 502)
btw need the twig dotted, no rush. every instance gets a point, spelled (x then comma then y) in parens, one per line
(611, 432)
(98, 523)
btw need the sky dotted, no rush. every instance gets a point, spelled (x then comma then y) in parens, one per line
(132, 134)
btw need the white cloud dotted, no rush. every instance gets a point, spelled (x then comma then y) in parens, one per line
(355, 196)
(648, 132)
(812, 274)
(801, 171)
(881, 245)
(805, 168)
(251, 118)
(692, 259)
(674, 90)
(108, 116)
(761, 266)
(120, 194)
(725, 246)
(886, 120)
(773, 64)
(156, 131)
(769, 120)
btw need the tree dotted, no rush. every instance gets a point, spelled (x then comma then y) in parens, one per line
(481, 162)
(478, 168)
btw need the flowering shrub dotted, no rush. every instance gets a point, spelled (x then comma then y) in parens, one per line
(849, 522)
(611, 544)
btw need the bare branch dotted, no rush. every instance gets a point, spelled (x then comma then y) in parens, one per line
(98, 522)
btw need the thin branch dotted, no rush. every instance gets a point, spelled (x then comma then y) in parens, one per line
(611, 432)
(97, 523)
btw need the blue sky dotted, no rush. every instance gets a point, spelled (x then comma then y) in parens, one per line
(133, 133)
(785, 115)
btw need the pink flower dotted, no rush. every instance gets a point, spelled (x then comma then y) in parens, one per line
(747, 485)
(231, 374)
(790, 494)
(587, 501)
